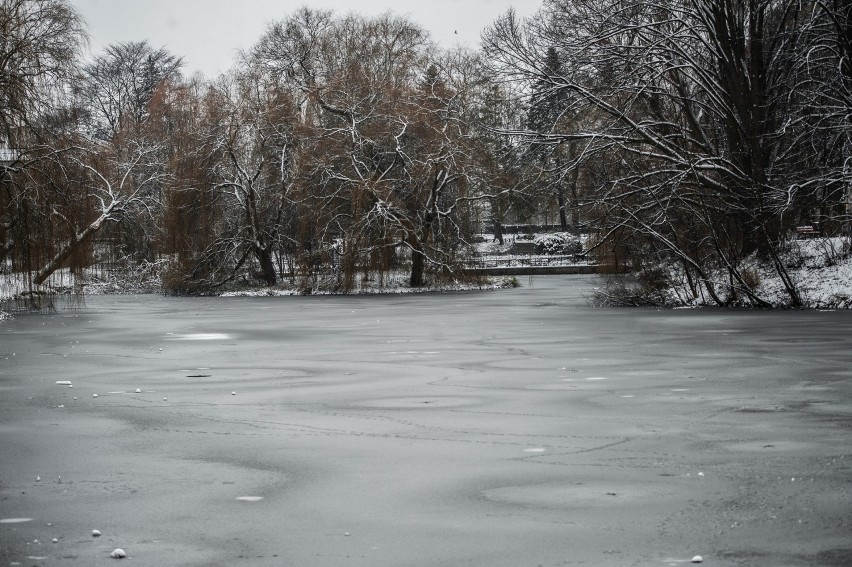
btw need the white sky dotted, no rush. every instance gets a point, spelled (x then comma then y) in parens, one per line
(208, 33)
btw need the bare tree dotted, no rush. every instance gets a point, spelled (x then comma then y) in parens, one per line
(120, 82)
(390, 162)
(700, 104)
(255, 134)
(40, 41)
(108, 185)
(184, 116)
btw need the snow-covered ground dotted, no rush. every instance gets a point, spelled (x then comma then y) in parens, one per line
(821, 268)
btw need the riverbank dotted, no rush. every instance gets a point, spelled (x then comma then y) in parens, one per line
(820, 268)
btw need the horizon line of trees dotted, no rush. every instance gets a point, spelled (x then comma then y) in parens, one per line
(690, 136)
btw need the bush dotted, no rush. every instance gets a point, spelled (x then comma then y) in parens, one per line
(649, 286)
(557, 243)
(176, 279)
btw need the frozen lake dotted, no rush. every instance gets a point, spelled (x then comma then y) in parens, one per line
(502, 428)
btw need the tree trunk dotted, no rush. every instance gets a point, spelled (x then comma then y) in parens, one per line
(67, 248)
(560, 200)
(498, 230)
(789, 285)
(418, 261)
(496, 220)
(267, 266)
(692, 288)
(418, 257)
(575, 203)
(418, 241)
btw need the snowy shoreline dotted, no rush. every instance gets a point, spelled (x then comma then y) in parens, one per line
(821, 268)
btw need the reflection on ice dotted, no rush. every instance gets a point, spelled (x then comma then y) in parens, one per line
(202, 337)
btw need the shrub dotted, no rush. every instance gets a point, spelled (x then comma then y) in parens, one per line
(557, 243)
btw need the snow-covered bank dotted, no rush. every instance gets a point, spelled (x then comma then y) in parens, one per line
(391, 288)
(819, 268)
(16, 290)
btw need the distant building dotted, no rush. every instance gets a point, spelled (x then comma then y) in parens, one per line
(7, 155)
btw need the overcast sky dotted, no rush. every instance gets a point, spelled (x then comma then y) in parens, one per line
(208, 33)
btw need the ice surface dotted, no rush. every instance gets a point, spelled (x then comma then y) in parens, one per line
(435, 429)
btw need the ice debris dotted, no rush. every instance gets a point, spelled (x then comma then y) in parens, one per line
(697, 559)
(138, 390)
(94, 395)
(96, 533)
(64, 382)
(118, 553)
